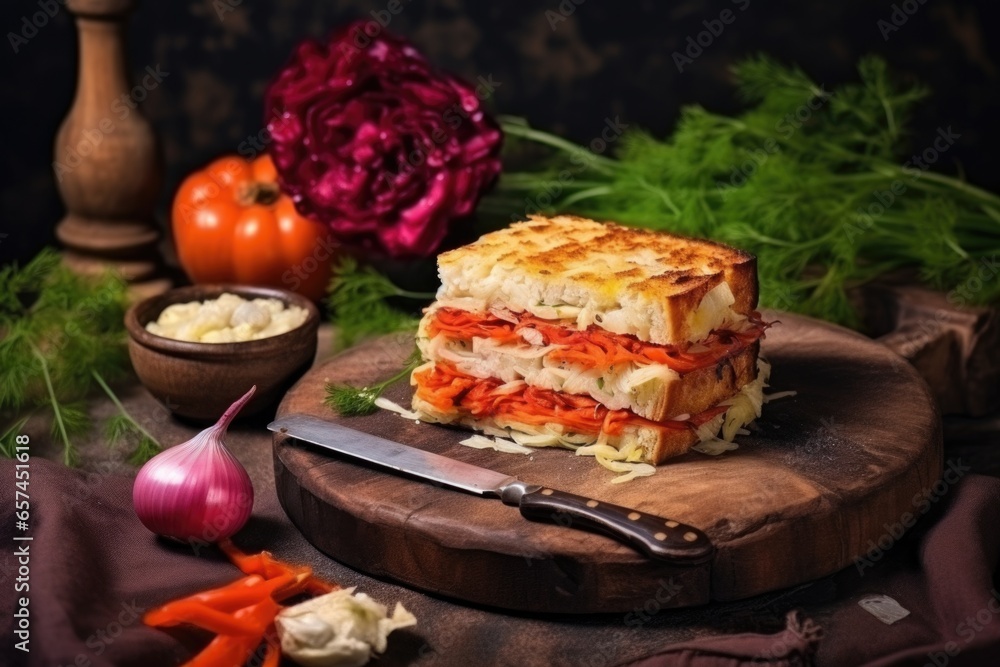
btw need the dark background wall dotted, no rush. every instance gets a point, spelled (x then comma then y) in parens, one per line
(566, 70)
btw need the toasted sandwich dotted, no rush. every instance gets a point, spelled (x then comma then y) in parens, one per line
(566, 331)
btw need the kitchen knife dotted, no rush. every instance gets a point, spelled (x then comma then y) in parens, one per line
(652, 535)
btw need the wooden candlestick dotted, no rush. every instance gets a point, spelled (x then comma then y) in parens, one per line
(107, 157)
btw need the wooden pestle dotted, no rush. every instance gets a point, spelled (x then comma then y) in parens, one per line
(108, 162)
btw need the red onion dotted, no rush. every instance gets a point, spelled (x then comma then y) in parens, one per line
(196, 491)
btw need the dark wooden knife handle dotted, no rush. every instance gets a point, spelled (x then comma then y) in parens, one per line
(652, 535)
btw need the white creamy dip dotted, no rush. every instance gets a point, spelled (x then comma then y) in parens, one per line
(227, 319)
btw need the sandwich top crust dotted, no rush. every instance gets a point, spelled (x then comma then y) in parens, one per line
(658, 287)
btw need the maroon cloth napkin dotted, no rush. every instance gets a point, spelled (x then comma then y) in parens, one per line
(795, 645)
(94, 568)
(943, 573)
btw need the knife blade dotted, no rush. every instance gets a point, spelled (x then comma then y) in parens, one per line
(652, 535)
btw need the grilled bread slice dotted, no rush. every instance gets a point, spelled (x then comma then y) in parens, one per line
(658, 287)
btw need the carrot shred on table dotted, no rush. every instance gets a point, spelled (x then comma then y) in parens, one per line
(201, 616)
(242, 612)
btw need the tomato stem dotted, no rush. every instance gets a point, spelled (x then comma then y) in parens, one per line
(258, 193)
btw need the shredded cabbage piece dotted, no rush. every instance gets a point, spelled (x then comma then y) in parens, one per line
(744, 408)
(715, 446)
(535, 440)
(625, 460)
(499, 444)
(386, 404)
(341, 629)
(606, 451)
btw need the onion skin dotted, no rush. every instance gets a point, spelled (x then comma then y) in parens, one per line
(197, 491)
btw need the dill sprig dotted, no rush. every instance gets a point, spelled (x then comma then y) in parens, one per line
(8, 441)
(59, 333)
(122, 428)
(807, 179)
(356, 401)
(358, 302)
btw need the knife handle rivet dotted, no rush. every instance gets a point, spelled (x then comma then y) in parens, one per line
(690, 537)
(634, 516)
(591, 503)
(547, 492)
(660, 536)
(672, 524)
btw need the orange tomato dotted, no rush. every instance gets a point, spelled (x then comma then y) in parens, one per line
(232, 224)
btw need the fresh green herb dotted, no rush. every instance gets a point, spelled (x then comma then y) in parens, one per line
(819, 185)
(358, 303)
(123, 428)
(59, 333)
(600, 383)
(8, 441)
(353, 401)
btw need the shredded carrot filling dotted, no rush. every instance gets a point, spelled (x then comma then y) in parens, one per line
(594, 347)
(449, 390)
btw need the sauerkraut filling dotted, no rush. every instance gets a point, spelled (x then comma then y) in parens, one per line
(611, 307)
(455, 395)
(616, 370)
(591, 346)
(498, 409)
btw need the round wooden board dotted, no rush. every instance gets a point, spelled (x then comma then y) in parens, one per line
(823, 473)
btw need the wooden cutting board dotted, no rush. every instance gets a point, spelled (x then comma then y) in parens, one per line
(824, 473)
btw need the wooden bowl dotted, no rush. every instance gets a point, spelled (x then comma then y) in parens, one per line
(201, 380)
